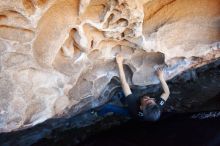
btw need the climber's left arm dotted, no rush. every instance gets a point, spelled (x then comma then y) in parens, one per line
(165, 87)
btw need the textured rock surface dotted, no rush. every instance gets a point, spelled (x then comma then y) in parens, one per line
(57, 55)
(193, 91)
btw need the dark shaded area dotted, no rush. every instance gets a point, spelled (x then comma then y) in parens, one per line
(192, 91)
(176, 130)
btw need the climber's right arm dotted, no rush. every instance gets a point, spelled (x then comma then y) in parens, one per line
(125, 86)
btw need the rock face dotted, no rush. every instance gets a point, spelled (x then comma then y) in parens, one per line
(56, 55)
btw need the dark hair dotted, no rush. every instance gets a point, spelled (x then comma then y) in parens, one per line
(151, 112)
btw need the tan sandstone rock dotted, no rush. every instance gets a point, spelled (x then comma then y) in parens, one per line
(57, 55)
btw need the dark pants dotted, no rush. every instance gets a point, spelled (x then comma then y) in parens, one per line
(113, 108)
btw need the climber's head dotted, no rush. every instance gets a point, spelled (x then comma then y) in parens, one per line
(151, 110)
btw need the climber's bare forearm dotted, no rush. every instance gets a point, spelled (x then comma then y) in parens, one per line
(165, 87)
(125, 86)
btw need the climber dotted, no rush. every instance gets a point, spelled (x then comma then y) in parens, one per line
(144, 107)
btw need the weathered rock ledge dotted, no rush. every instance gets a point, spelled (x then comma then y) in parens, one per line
(193, 91)
(58, 55)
